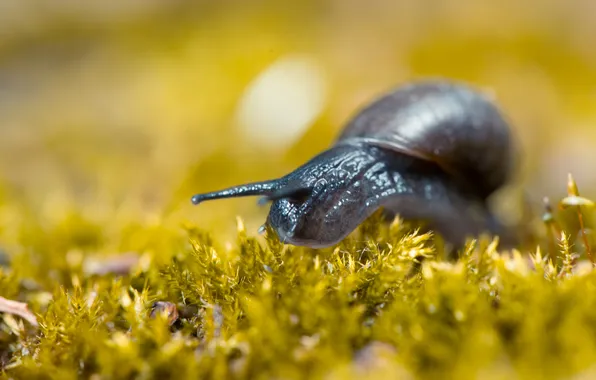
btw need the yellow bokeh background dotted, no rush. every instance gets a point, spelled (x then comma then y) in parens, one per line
(121, 110)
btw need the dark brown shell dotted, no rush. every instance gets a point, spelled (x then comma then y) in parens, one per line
(445, 122)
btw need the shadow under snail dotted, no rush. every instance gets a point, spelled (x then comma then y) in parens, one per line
(431, 151)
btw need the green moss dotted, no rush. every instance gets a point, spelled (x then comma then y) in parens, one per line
(384, 301)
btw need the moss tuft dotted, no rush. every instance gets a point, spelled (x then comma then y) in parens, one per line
(383, 302)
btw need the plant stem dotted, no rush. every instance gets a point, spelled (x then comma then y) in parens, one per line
(583, 232)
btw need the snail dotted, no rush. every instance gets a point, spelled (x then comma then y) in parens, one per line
(432, 151)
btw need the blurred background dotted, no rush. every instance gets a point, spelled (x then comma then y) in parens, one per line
(115, 113)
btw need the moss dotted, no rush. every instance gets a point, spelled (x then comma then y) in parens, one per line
(383, 302)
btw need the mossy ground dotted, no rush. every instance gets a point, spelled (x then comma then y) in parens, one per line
(382, 304)
(110, 121)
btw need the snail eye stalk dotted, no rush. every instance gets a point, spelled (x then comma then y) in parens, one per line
(268, 190)
(265, 188)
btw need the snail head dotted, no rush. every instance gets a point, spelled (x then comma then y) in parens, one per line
(318, 204)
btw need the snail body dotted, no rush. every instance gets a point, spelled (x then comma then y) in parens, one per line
(431, 151)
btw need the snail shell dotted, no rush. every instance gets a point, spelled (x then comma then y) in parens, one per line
(447, 123)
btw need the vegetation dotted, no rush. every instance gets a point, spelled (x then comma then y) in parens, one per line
(383, 302)
(113, 114)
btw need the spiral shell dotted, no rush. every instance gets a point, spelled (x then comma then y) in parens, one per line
(448, 123)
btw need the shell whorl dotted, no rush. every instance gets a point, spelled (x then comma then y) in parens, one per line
(448, 123)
